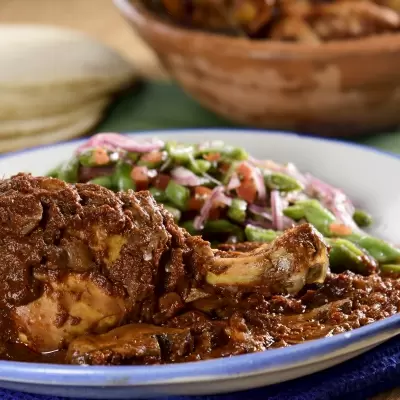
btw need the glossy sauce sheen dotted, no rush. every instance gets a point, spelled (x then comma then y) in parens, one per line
(139, 281)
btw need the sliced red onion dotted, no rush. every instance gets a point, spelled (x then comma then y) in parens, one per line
(217, 196)
(334, 200)
(115, 141)
(260, 223)
(185, 177)
(289, 169)
(292, 197)
(261, 211)
(287, 222)
(234, 182)
(260, 184)
(277, 210)
(268, 219)
(253, 160)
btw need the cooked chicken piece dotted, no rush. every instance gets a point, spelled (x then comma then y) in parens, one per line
(296, 8)
(252, 15)
(352, 19)
(68, 307)
(131, 344)
(307, 21)
(294, 29)
(298, 257)
(239, 16)
(82, 259)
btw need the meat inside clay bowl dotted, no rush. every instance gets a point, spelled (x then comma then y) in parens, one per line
(95, 275)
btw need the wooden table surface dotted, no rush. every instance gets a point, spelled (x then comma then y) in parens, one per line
(101, 20)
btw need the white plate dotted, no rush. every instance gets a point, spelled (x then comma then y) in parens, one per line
(369, 176)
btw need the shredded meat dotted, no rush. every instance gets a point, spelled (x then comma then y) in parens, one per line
(94, 277)
(80, 258)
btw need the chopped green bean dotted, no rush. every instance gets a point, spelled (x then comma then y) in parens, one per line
(86, 159)
(362, 218)
(282, 182)
(55, 172)
(220, 225)
(125, 183)
(105, 181)
(159, 195)
(174, 211)
(382, 251)
(230, 152)
(346, 255)
(223, 226)
(314, 213)
(133, 156)
(122, 177)
(199, 166)
(179, 152)
(322, 218)
(177, 194)
(390, 268)
(238, 153)
(69, 171)
(256, 234)
(295, 212)
(230, 172)
(237, 210)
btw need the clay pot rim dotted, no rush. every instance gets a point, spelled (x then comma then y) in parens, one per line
(151, 24)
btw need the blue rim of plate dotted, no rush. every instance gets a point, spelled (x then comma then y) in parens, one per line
(217, 369)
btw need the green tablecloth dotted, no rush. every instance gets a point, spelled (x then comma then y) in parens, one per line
(158, 105)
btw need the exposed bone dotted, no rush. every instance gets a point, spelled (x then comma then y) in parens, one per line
(298, 257)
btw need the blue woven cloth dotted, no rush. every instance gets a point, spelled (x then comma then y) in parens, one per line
(362, 377)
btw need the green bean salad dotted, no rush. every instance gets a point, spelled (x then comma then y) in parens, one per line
(227, 196)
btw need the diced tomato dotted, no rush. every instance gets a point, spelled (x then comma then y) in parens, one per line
(140, 176)
(161, 181)
(212, 156)
(340, 229)
(100, 156)
(152, 157)
(247, 191)
(202, 191)
(195, 204)
(244, 171)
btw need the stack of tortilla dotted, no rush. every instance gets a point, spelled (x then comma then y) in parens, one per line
(54, 84)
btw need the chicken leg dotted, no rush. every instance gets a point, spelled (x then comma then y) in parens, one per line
(81, 259)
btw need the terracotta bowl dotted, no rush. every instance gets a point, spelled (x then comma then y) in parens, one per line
(335, 89)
